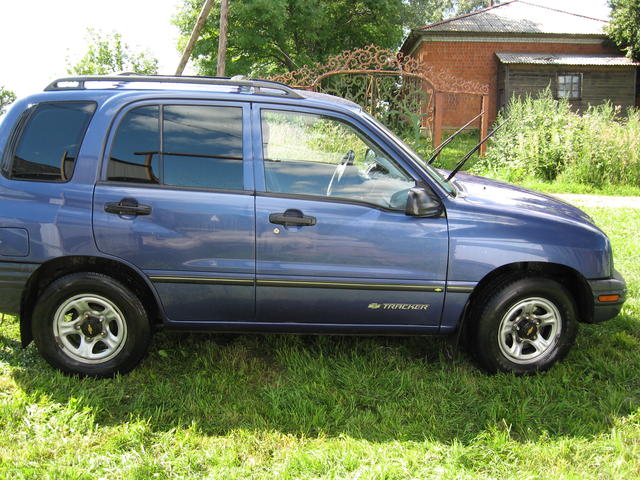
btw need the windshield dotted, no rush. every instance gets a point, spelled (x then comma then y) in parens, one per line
(432, 172)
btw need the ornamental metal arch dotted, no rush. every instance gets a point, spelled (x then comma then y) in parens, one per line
(403, 93)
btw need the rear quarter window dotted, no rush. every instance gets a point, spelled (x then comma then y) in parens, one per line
(49, 138)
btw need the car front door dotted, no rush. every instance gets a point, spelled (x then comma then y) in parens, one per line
(176, 200)
(333, 242)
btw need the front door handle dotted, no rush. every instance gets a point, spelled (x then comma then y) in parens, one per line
(292, 217)
(127, 206)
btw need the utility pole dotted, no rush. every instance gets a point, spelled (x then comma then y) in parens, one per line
(206, 8)
(222, 39)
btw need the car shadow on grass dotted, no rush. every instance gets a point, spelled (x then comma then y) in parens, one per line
(379, 389)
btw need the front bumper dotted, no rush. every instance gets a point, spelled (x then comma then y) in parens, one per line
(606, 287)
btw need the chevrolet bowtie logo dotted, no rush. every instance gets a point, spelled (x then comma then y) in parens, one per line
(374, 306)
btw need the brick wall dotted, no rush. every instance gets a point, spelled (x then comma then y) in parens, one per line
(477, 61)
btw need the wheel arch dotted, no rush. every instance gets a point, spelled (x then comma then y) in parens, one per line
(570, 278)
(55, 268)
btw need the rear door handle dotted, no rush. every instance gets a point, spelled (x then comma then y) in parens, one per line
(292, 217)
(127, 206)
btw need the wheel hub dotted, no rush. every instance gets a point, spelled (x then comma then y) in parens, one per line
(92, 327)
(527, 329)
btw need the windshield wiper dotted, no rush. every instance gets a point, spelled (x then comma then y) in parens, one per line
(440, 147)
(474, 150)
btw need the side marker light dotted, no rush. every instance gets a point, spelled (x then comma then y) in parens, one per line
(608, 298)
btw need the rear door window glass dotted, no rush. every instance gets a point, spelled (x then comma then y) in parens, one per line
(202, 146)
(135, 155)
(49, 144)
(196, 146)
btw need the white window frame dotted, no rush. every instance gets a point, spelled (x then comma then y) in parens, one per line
(571, 90)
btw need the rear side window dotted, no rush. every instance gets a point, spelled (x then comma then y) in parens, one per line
(135, 155)
(203, 146)
(179, 145)
(49, 143)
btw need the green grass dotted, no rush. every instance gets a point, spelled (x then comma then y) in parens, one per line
(249, 406)
(452, 153)
(545, 139)
(464, 142)
(457, 149)
(560, 186)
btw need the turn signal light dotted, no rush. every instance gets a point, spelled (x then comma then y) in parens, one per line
(608, 298)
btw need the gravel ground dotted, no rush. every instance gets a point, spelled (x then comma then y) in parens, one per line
(600, 200)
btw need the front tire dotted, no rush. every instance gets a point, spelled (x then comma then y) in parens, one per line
(524, 326)
(91, 325)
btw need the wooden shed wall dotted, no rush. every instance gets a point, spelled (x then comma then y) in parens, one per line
(599, 84)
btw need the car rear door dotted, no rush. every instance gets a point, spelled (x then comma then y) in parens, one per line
(333, 242)
(175, 199)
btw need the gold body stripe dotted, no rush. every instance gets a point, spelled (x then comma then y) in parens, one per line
(454, 289)
(219, 281)
(296, 283)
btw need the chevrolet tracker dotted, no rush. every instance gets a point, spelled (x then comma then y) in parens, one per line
(130, 203)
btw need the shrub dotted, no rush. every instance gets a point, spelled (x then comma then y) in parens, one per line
(544, 139)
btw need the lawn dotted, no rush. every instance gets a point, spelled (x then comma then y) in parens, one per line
(452, 153)
(560, 186)
(249, 406)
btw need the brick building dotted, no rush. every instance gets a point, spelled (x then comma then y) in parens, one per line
(520, 47)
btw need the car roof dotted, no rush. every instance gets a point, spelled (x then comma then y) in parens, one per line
(128, 88)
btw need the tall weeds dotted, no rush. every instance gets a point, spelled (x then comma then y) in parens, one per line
(544, 139)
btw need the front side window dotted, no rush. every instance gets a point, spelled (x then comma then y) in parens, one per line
(50, 141)
(309, 154)
(570, 86)
(179, 145)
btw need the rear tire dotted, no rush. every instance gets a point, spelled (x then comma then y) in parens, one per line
(91, 325)
(523, 325)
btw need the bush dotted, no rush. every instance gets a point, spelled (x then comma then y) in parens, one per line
(544, 139)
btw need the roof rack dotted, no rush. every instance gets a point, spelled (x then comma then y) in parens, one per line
(259, 87)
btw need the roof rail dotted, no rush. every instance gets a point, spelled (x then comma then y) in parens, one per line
(259, 87)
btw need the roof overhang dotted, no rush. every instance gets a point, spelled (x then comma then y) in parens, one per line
(520, 58)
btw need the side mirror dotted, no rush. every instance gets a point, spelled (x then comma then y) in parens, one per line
(421, 204)
(369, 156)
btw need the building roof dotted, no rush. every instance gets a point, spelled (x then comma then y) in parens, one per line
(520, 16)
(564, 59)
(513, 18)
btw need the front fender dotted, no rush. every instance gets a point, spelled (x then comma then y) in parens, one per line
(484, 240)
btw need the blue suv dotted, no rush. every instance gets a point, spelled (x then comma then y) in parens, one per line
(130, 203)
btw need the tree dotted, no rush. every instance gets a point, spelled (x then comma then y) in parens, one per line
(109, 54)
(273, 36)
(423, 12)
(624, 27)
(468, 6)
(7, 97)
